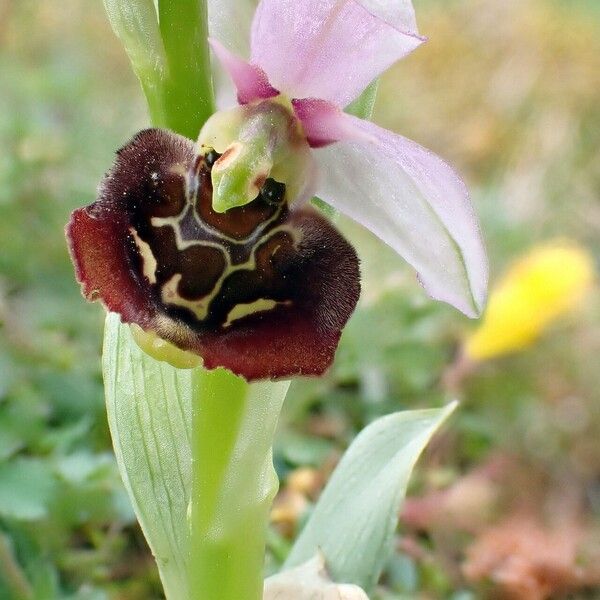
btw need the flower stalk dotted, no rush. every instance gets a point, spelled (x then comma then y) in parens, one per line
(233, 422)
(188, 99)
(233, 483)
(169, 54)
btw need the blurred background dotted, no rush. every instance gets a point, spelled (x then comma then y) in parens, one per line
(506, 501)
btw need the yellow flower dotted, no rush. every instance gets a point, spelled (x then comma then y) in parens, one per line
(543, 285)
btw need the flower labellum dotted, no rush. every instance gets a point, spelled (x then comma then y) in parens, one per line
(261, 289)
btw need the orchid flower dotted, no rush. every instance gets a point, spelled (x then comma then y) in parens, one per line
(213, 248)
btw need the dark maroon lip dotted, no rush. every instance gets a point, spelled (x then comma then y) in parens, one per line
(261, 290)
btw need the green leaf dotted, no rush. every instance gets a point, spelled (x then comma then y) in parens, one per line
(364, 105)
(354, 521)
(135, 23)
(89, 594)
(11, 439)
(149, 406)
(149, 413)
(27, 486)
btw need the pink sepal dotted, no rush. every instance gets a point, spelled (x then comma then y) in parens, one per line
(250, 81)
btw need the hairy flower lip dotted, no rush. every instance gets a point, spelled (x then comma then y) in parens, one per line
(261, 290)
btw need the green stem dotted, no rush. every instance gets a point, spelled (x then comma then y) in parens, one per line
(187, 85)
(170, 56)
(233, 483)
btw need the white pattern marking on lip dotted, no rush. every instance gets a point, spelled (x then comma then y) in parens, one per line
(149, 262)
(239, 311)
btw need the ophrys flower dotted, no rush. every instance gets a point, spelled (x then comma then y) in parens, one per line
(212, 247)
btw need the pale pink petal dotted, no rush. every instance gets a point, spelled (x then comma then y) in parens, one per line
(250, 81)
(328, 49)
(396, 12)
(229, 21)
(413, 201)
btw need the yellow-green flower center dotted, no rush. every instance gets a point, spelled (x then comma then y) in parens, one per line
(256, 142)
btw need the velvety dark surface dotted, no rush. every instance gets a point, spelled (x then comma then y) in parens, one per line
(262, 290)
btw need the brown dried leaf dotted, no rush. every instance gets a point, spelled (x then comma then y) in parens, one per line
(526, 560)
